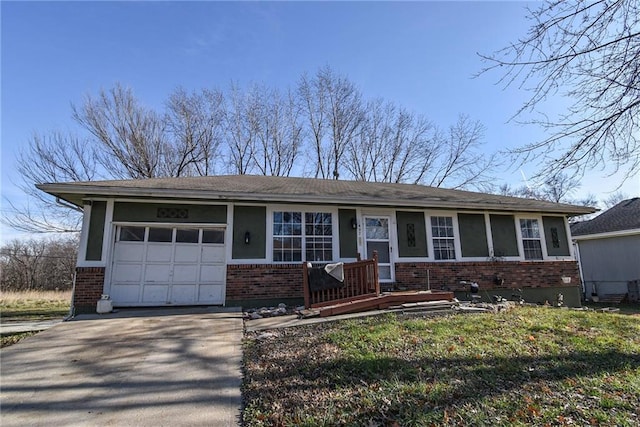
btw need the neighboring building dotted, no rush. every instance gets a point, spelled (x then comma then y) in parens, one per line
(241, 240)
(609, 250)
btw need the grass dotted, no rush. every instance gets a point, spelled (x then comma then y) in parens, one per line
(529, 366)
(33, 305)
(12, 338)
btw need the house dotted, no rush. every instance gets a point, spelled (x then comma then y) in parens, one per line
(608, 247)
(242, 240)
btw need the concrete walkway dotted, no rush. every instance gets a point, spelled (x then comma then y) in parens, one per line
(15, 327)
(131, 368)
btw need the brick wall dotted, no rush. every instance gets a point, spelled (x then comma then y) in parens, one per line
(264, 281)
(88, 289)
(447, 275)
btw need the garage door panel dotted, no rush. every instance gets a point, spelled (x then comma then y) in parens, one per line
(130, 252)
(185, 273)
(212, 273)
(213, 254)
(161, 272)
(212, 294)
(127, 273)
(183, 294)
(125, 294)
(159, 252)
(187, 253)
(155, 294)
(157, 273)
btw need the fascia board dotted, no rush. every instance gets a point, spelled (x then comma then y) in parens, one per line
(620, 233)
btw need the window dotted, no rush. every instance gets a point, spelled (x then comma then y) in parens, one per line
(318, 244)
(291, 235)
(473, 235)
(531, 244)
(160, 234)
(187, 235)
(132, 234)
(442, 232)
(213, 236)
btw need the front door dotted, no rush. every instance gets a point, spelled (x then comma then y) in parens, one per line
(377, 238)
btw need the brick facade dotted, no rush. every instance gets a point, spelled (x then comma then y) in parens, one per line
(88, 288)
(264, 281)
(489, 275)
(247, 282)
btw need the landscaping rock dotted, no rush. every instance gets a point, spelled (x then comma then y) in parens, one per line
(262, 312)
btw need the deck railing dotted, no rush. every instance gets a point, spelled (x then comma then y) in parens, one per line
(360, 281)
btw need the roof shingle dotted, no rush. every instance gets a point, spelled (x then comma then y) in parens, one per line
(309, 190)
(623, 216)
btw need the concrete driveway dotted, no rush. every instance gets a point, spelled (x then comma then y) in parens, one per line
(131, 368)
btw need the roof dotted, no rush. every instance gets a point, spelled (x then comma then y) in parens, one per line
(623, 216)
(253, 188)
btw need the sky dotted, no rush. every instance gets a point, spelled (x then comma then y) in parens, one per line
(420, 55)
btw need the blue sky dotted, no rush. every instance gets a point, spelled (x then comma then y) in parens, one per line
(420, 55)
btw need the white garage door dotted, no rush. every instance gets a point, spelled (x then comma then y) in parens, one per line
(157, 266)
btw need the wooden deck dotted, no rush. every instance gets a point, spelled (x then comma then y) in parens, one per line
(360, 291)
(381, 302)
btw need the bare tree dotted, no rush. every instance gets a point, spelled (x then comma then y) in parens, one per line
(558, 188)
(56, 157)
(614, 199)
(38, 264)
(21, 263)
(130, 136)
(590, 52)
(278, 132)
(241, 118)
(459, 161)
(194, 123)
(333, 106)
(393, 145)
(313, 102)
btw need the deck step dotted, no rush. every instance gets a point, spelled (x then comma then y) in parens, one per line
(384, 301)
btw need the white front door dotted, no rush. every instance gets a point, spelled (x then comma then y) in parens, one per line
(377, 238)
(155, 266)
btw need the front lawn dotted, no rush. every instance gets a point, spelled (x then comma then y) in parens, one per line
(528, 366)
(34, 305)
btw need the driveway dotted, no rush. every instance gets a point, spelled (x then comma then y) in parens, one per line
(131, 368)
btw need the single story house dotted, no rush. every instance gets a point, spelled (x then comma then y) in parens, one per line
(241, 240)
(608, 249)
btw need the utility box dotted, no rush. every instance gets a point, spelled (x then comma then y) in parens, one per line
(105, 305)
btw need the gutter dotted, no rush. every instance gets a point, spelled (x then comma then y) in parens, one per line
(66, 204)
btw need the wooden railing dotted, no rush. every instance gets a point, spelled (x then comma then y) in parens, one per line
(360, 281)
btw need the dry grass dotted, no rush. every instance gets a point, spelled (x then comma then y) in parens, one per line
(34, 305)
(529, 366)
(12, 297)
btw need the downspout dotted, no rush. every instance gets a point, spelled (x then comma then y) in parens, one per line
(579, 260)
(72, 307)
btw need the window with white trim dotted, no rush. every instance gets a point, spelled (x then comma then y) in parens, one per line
(302, 234)
(443, 238)
(531, 243)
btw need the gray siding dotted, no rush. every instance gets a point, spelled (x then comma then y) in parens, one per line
(610, 263)
(503, 229)
(96, 231)
(412, 234)
(252, 220)
(473, 235)
(174, 213)
(348, 235)
(556, 236)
